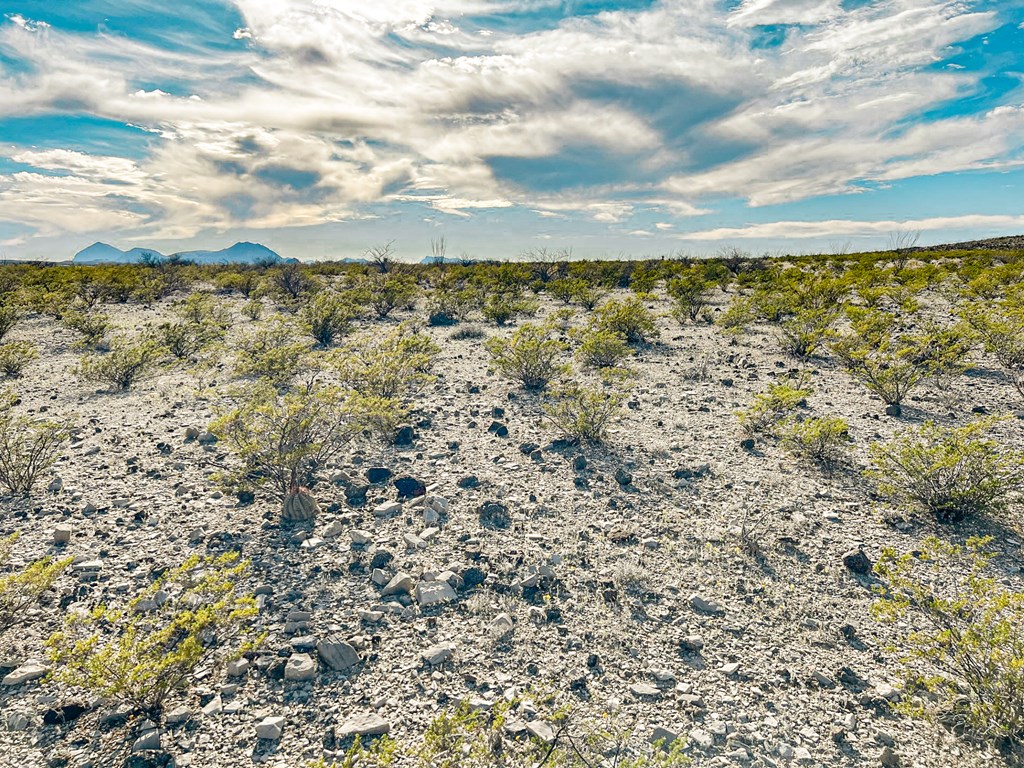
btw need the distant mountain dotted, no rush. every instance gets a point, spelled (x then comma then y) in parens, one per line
(445, 260)
(239, 253)
(101, 253)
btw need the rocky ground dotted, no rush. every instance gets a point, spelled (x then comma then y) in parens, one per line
(670, 577)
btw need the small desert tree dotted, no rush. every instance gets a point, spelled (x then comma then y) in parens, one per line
(139, 654)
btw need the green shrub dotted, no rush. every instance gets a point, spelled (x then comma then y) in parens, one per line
(28, 447)
(282, 440)
(15, 355)
(628, 318)
(502, 308)
(275, 351)
(964, 648)
(1000, 326)
(10, 316)
(23, 589)
(253, 309)
(92, 325)
(771, 408)
(602, 349)
(802, 334)
(389, 291)
(450, 306)
(691, 293)
(142, 653)
(823, 440)
(584, 413)
(738, 316)
(529, 356)
(396, 365)
(128, 362)
(951, 472)
(328, 317)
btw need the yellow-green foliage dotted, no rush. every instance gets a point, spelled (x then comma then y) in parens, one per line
(529, 356)
(773, 406)
(504, 306)
(950, 472)
(282, 439)
(28, 447)
(139, 654)
(584, 413)
(15, 355)
(822, 439)
(628, 318)
(738, 316)
(802, 333)
(10, 316)
(691, 292)
(276, 351)
(22, 589)
(328, 316)
(1000, 326)
(129, 360)
(449, 305)
(390, 291)
(396, 365)
(601, 349)
(965, 643)
(467, 738)
(92, 325)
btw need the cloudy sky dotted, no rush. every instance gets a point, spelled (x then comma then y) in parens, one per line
(323, 127)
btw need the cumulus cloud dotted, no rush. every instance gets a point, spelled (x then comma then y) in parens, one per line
(308, 111)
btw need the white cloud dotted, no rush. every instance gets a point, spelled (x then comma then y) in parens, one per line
(788, 230)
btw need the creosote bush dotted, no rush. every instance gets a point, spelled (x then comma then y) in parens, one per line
(140, 654)
(396, 365)
(10, 316)
(28, 447)
(964, 650)
(14, 356)
(328, 316)
(822, 439)
(772, 407)
(529, 356)
(628, 318)
(584, 413)
(282, 440)
(275, 351)
(92, 325)
(129, 361)
(601, 349)
(504, 306)
(22, 589)
(950, 472)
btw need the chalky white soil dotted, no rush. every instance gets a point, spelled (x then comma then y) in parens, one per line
(597, 577)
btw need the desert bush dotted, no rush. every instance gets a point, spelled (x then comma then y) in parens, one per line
(276, 351)
(738, 316)
(291, 282)
(823, 439)
(328, 316)
(253, 309)
(965, 647)
(451, 306)
(92, 325)
(951, 472)
(390, 291)
(10, 316)
(803, 333)
(469, 332)
(601, 349)
(1000, 326)
(245, 281)
(28, 447)
(15, 355)
(529, 356)
(282, 440)
(129, 361)
(772, 407)
(584, 413)
(563, 289)
(23, 589)
(691, 293)
(628, 318)
(396, 365)
(184, 340)
(142, 653)
(501, 308)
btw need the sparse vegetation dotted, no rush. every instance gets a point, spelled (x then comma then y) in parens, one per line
(14, 356)
(22, 589)
(628, 318)
(584, 413)
(28, 447)
(950, 472)
(128, 361)
(822, 439)
(529, 356)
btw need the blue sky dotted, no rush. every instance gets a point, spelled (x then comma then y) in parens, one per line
(324, 127)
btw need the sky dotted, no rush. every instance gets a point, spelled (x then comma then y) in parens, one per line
(322, 128)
